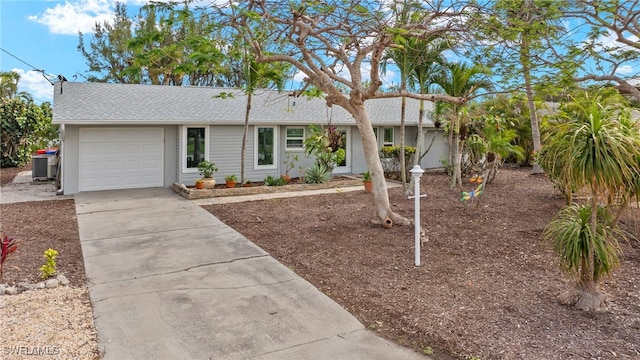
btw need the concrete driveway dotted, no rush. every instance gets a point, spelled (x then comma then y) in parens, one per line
(168, 280)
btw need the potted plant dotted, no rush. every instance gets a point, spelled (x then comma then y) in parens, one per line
(247, 183)
(199, 184)
(231, 180)
(289, 164)
(206, 169)
(366, 179)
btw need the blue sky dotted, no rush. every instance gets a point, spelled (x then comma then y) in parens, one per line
(44, 34)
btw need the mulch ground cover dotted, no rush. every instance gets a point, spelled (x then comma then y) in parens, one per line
(487, 286)
(488, 283)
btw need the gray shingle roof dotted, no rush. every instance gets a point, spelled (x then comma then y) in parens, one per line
(101, 103)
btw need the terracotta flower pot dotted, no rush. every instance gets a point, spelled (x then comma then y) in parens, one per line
(368, 186)
(231, 184)
(199, 185)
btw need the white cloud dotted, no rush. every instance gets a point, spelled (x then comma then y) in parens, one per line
(625, 70)
(299, 76)
(74, 16)
(81, 15)
(610, 41)
(34, 83)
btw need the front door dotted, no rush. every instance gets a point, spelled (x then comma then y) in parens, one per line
(345, 166)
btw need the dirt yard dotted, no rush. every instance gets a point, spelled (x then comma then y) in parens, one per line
(487, 286)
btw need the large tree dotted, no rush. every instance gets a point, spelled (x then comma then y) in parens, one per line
(335, 45)
(165, 44)
(524, 38)
(462, 81)
(8, 84)
(611, 50)
(26, 126)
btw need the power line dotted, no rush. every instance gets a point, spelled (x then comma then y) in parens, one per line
(32, 67)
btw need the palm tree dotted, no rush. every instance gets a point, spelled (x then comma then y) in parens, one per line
(593, 144)
(497, 145)
(8, 84)
(403, 57)
(459, 80)
(429, 60)
(258, 75)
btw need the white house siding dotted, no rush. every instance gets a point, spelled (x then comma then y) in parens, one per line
(226, 149)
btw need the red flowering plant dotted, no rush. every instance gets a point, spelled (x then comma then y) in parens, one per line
(7, 247)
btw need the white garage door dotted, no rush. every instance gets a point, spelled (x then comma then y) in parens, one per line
(121, 158)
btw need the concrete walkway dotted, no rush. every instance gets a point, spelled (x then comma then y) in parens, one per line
(168, 280)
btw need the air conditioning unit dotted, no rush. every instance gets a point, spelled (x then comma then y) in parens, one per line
(43, 167)
(40, 167)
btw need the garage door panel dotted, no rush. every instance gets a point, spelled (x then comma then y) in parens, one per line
(121, 158)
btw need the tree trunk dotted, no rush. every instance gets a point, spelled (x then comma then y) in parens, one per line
(452, 124)
(586, 295)
(403, 161)
(244, 138)
(419, 141)
(535, 126)
(380, 194)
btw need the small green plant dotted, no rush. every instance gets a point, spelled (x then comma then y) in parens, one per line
(207, 168)
(427, 350)
(366, 176)
(290, 160)
(274, 181)
(231, 177)
(317, 174)
(7, 247)
(49, 268)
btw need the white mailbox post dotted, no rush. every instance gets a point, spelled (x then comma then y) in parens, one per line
(417, 172)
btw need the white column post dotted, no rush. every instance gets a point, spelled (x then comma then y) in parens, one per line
(417, 172)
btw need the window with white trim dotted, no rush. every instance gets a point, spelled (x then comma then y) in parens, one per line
(265, 149)
(388, 137)
(195, 146)
(295, 138)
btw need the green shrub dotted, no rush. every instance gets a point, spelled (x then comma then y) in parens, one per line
(274, 181)
(25, 128)
(207, 168)
(49, 268)
(388, 152)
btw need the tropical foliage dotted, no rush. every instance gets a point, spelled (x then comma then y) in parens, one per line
(592, 143)
(325, 144)
(26, 127)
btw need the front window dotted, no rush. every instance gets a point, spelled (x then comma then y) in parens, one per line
(388, 137)
(265, 147)
(196, 144)
(295, 138)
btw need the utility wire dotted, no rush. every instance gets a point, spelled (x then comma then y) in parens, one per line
(32, 67)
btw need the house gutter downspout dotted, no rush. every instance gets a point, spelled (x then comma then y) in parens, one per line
(61, 163)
